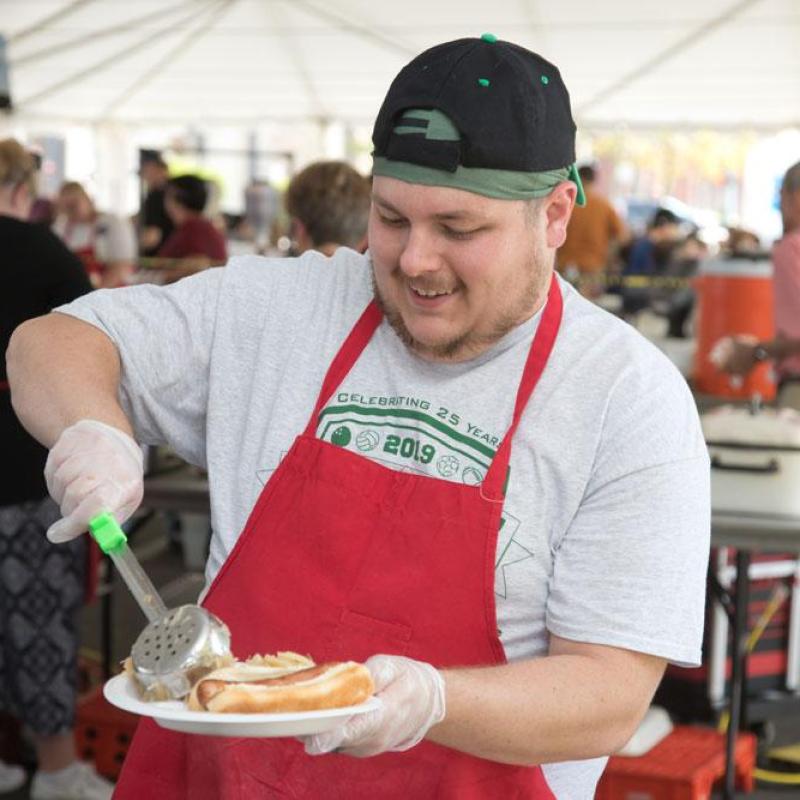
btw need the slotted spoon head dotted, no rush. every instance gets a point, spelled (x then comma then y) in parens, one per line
(174, 651)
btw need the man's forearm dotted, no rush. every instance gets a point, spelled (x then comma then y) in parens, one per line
(781, 348)
(62, 370)
(556, 708)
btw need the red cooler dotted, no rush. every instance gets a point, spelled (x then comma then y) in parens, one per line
(735, 297)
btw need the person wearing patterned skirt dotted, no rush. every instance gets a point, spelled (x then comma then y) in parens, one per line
(42, 585)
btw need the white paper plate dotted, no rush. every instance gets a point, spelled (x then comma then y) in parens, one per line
(173, 714)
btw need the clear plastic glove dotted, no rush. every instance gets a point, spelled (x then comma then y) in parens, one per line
(92, 468)
(412, 701)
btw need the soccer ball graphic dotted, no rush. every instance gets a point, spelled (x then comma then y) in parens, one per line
(447, 466)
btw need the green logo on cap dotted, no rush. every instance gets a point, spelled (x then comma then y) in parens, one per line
(432, 123)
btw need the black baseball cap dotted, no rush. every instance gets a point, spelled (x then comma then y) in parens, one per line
(481, 114)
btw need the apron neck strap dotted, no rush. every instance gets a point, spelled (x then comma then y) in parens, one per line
(493, 486)
(348, 354)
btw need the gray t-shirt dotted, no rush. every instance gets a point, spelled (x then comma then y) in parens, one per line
(605, 532)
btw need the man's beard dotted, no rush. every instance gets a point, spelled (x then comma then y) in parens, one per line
(472, 343)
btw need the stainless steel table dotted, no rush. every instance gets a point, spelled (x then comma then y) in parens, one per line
(747, 533)
(759, 532)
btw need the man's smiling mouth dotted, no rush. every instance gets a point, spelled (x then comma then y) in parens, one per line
(423, 292)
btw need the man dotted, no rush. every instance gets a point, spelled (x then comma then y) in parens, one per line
(499, 488)
(740, 354)
(594, 233)
(649, 256)
(193, 235)
(328, 205)
(154, 223)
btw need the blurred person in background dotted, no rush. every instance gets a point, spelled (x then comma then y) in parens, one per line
(676, 300)
(328, 206)
(742, 242)
(41, 584)
(594, 236)
(647, 257)
(153, 222)
(43, 209)
(43, 212)
(738, 355)
(194, 236)
(105, 243)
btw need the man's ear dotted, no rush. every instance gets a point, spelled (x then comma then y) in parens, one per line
(558, 209)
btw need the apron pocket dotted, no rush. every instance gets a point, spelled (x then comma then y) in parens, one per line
(266, 768)
(358, 636)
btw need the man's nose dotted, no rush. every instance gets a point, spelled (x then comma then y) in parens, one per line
(419, 255)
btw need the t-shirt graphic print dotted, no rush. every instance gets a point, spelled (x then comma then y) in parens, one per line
(412, 434)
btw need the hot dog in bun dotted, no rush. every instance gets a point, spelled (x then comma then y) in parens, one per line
(283, 683)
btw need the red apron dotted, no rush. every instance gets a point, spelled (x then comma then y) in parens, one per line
(343, 558)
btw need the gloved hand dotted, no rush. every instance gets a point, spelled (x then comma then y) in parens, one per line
(92, 468)
(412, 696)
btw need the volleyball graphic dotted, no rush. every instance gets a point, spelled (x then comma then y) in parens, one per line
(471, 476)
(341, 436)
(447, 466)
(367, 440)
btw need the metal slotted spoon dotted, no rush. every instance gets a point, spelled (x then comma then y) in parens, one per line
(178, 645)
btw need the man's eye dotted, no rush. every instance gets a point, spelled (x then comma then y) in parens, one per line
(394, 222)
(453, 233)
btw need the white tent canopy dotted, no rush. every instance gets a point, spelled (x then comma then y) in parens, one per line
(725, 64)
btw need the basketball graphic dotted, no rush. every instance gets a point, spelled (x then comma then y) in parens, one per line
(447, 466)
(367, 440)
(341, 436)
(471, 476)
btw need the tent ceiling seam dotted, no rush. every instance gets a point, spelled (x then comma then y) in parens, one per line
(143, 43)
(301, 66)
(184, 44)
(665, 55)
(362, 31)
(102, 33)
(45, 22)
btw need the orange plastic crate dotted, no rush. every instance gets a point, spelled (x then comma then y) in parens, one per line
(683, 766)
(103, 733)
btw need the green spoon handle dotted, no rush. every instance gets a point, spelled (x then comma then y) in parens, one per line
(113, 542)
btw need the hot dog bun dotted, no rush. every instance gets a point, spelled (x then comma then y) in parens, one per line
(274, 684)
